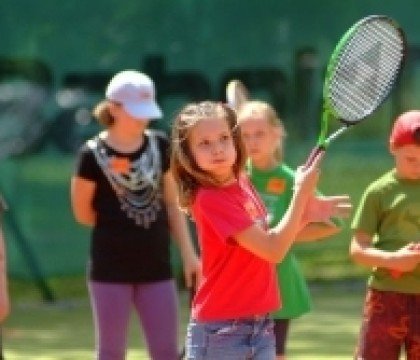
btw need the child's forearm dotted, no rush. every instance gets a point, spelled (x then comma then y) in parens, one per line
(285, 232)
(370, 256)
(317, 231)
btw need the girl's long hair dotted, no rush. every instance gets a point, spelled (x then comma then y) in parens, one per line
(188, 176)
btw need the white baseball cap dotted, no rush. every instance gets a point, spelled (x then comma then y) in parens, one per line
(135, 91)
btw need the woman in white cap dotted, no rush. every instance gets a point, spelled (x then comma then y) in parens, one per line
(124, 190)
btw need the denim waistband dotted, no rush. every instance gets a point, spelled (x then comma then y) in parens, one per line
(248, 318)
(254, 317)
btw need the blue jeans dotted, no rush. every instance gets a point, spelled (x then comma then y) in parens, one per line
(238, 339)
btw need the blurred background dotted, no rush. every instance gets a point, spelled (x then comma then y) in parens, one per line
(57, 57)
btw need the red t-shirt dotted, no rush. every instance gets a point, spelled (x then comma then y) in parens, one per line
(236, 283)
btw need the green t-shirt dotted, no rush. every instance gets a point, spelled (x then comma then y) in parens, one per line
(275, 188)
(389, 211)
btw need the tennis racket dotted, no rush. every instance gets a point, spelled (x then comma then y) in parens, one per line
(361, 73)
(236, 94)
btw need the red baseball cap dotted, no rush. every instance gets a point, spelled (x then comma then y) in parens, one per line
(406, 129)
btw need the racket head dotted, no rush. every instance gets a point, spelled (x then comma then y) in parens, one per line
(236, 94)
(363, 68)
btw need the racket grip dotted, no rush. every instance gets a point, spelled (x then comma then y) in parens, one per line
(315, 151)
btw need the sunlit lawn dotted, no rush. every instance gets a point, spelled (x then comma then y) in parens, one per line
(330, 330)
(63, 331)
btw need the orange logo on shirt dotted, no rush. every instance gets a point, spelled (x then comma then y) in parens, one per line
(276, 186)
(120, 165)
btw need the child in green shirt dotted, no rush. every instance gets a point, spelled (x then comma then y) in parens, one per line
(263, 134)
(386, 238)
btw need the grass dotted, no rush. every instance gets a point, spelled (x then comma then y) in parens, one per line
(330, 330)
(63, 330)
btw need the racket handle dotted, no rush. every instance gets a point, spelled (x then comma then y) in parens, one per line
(315, 151)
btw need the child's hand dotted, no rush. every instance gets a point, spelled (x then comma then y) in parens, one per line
(414, 246)
(306, 178)
(405, 259)
(323, 208)
(192, 271)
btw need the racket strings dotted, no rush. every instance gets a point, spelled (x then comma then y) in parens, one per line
(366, 68)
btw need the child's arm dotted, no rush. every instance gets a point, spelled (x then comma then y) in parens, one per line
(181, 234)
(402, 260)
(273, 245)
(317, 231)
(321, 228)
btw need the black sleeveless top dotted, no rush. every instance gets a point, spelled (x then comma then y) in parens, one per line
(130, 240)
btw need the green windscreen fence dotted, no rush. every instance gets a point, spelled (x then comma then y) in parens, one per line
(39, 219)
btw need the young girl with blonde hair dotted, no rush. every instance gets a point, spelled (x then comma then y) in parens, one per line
(263, 134)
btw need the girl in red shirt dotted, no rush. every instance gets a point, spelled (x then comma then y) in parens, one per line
(238, 288)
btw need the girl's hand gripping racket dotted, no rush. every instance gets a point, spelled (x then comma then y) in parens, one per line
(236, 94)
(361, 72)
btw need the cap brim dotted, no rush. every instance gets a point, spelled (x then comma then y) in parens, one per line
(143, 110)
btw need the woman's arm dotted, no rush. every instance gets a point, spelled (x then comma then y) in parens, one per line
(180, 232)
(81, 193)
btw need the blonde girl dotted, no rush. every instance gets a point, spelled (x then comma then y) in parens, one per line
(263, 134)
